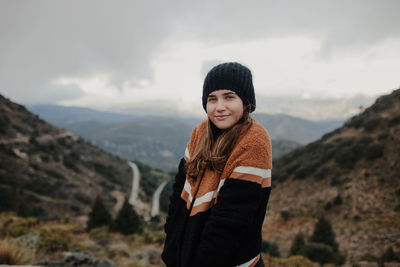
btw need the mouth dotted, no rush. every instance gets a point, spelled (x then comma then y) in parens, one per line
(221, 117)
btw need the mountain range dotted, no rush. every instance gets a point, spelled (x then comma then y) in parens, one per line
(46, 171)
(350, 176)
(160, 141)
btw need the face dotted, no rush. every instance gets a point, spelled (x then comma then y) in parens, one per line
(224, 108)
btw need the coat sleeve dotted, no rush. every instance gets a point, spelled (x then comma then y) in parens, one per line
(180, 178)
(238, 201)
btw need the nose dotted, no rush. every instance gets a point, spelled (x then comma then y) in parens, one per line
(220, 105)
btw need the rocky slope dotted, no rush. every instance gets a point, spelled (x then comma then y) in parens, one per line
(351, 177)
(45, 171)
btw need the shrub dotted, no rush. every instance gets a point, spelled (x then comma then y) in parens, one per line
(321, 173)
(306, 170)
(323, 233)
(394, 121)
(107, 171)
(20, 226)
(285, 215)
(297, 261)
(71, 163)
(371, 124)
(298, 245)
(99, 233)
(99, 215)
(336, 180)
(390, 256)
(4, 123)
(82, 198)
(54, 241)
(127, 221)
(152, 237)
(373, 151)
(319, 252)
(337, 200)
(271, 248)
(355, 122)
(328, 205)
(383, 136)
(11, 254)
(346, 158)
(45, 158)
(54, 174)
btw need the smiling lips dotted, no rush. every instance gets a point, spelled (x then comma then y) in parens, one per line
(221, 117)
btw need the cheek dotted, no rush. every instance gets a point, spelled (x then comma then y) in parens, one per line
(239, 110)
(209, 109)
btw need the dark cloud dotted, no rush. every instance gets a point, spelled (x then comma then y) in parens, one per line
(340, 23)
(43, 40)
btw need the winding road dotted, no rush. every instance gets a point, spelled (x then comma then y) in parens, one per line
(155, 209)
(135, 183)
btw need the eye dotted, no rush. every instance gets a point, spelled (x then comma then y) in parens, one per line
(230, 97)
(211, 99)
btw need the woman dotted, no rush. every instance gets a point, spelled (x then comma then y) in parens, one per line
(221, 191)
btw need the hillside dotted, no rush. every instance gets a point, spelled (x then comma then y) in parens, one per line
(351, 177)
(46, 172)
(286, 127)
(159, 141)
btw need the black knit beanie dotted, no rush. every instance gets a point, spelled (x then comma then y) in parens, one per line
(232, 76)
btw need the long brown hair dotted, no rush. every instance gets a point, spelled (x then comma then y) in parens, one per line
(215, 149)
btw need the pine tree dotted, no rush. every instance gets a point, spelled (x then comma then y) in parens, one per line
(127, 221)
(99, 215)
(323, 233)
(298, 245)
(322, 246)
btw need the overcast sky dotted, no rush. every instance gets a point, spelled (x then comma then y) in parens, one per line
(102, 53)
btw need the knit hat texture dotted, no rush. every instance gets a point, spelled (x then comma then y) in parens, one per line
(232, 76)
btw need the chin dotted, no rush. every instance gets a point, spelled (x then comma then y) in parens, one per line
(223, 126)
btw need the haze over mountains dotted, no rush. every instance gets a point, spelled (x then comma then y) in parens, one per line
(159, 141)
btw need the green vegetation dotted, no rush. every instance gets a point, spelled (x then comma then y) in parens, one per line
(285, 215)
(30, 241)
(82, 198)
(54, 174)
(270, 248)
(99, 215)
(335, 202)
(71, 163)
(298, 245)
(107, 171)
(150, 180)
(321, 246)
(311, 160)
(390, 256)
(127, 221)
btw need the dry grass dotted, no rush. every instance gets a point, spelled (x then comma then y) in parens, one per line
(11, 254)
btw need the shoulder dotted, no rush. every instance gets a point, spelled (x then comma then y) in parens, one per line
(255, 136)
(253, 148)
(251, 159)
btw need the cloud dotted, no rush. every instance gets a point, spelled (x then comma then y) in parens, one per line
(42, 41)
(45, 40)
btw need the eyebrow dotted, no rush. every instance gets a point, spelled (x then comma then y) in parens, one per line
(227, 93)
